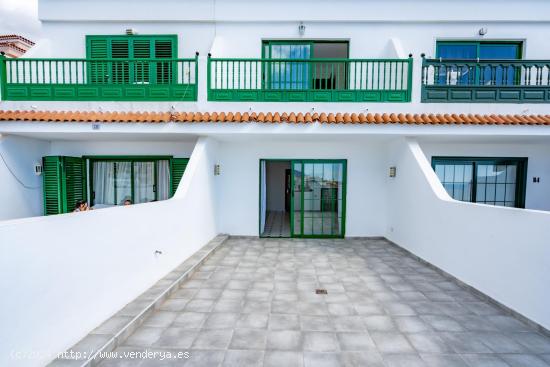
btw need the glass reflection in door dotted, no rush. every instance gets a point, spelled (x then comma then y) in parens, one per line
(322, 199)
(144, 182)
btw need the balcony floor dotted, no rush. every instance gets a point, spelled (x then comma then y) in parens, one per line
(253, 303)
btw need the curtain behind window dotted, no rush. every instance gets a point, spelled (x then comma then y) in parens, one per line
(144, 181)
(104, 183)
(163, 180)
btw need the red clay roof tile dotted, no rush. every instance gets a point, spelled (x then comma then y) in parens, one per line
(276, 117)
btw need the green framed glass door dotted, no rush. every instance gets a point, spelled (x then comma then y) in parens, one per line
(318, 200)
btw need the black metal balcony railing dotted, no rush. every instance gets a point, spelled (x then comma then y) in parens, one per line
(98, 79)
(488, 81)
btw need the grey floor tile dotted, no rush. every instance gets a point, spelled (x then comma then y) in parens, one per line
(212, 339)
(534, 342)
(391, 342)
(443, 360)
(320, 341)
(428, 342)
(484, 360)
(403, 360)
(316, 359)
(410, 324)
(347, 323)
(204, 358)
(175, 337)
(369, 358)
(190, 320)
(144, 336)
(284, 340)
(316, 323)
(160, 319)
(221, 320)
(379, 323)
(253, 320)
(248, 339)
(240, 358)
(279, 358)
(524, 360)
(284, 322)
(355, 341)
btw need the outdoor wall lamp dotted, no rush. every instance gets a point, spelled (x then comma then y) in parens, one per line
(301, 29)
(482, 31)
(393, 171)
(216, 170)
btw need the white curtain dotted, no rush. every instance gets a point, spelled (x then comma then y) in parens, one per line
(144, 180)
(163, 180)
(123, 182)
(263, 196)
(104, 183)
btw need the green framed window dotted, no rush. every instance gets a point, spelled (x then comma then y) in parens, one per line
(126, 59)
(141, 179)
(305, 75)
(483, 50)
(493, 181)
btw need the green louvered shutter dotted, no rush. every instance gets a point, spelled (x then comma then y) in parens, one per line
(51, 176)
(177, 167)
(120, 49)
(141, 49)
(74, 175)
(165, 49)
(64, 180)
(98, 71)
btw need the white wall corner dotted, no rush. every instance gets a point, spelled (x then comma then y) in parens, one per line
(395, 49)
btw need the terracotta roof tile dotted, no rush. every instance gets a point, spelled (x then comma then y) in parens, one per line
(276, 117)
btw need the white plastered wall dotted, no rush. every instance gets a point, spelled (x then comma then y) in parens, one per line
(51, 287)
(500, 251)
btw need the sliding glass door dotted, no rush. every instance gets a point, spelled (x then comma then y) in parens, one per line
(318, 198)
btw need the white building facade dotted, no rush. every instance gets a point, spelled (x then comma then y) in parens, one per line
(426, 123)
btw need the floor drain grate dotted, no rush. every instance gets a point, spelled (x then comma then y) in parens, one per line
(320, 291)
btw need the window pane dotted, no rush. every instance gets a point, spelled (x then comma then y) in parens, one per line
(144, 180)
(457, 51)
(123, 182)
(498, 51)
(163, 180)
(104, 183)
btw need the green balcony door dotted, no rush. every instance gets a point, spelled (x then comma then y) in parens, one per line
(318, 198)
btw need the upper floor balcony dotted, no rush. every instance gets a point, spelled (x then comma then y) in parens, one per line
(485, 81)
(99, 79)
(310, 80)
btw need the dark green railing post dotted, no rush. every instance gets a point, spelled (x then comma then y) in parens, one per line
(208, 76)
(3, 76)
(196, 76)
(410, 78)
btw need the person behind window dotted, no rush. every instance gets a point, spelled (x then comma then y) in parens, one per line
(127, 202)
(81, 206)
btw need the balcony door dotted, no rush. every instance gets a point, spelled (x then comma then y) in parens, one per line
(315, 74)
(318, 198)
(486, 75)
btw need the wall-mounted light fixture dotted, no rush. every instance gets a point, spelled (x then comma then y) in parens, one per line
(393, 171)
(301, 29)
(216, 170)
(130, 31)
(38, 169)
(482, 31)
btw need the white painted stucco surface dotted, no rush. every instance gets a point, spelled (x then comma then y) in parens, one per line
(503, 252)
(61, 276)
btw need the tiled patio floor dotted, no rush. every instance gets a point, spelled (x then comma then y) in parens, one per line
(253, 303)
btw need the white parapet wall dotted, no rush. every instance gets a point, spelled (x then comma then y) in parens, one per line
(502, 252)
(61, 276)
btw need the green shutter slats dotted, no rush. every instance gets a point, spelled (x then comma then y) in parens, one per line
(51, 177)
(120, 49)
(98, 70)
(178, 166)
(141, 50)
(164, 49)
(75, 181)
(64, 180)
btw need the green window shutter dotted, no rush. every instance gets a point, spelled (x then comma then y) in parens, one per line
(141, 50)
(164, 49)
(120, 49)
(74, 174)
(65, 182)
(177, 168)
(51, 177)
(98, 71)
